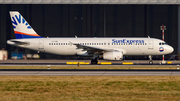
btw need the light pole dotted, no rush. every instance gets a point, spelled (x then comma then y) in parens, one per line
(163, 28)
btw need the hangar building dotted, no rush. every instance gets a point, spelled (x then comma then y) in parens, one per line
(94, 18)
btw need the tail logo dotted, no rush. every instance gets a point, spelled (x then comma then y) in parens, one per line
(18, 20)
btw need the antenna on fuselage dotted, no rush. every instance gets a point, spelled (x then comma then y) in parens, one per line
(75, 36)
(148, 36)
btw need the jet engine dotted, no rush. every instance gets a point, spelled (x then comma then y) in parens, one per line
(115, 55)
(82, 53)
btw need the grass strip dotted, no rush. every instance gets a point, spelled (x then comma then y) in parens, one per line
(94, 88)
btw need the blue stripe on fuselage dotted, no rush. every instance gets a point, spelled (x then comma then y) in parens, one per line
(21, 36)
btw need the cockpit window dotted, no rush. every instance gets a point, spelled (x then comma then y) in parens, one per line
(162, 43)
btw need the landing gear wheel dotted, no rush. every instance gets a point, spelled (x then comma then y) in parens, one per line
(94, 61)
(150, 62)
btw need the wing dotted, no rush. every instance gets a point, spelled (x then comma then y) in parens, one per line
(91, 49)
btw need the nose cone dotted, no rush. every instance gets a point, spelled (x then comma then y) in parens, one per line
(170, 49)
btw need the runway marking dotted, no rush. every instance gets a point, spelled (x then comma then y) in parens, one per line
(127, 63)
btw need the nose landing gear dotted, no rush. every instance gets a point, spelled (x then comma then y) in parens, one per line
(150, 60)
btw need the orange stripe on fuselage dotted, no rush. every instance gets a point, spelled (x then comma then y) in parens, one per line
(16, 32)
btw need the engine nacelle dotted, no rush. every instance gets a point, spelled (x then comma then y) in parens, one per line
(116, 55)
(82, 53)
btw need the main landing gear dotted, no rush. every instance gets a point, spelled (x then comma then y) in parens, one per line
(94, 61)
(150, 60)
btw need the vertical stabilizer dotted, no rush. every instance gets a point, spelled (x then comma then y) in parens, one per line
(21, 27)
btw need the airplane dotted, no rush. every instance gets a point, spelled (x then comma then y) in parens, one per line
(109, 48)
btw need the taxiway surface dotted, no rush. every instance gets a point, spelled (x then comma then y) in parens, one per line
(64, 62)
(90, 72)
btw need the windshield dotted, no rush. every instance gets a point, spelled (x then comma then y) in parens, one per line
(162, 43)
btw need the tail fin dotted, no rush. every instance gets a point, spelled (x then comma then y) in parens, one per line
(21, 27)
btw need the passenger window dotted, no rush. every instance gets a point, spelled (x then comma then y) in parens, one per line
(97, 43)
(162, 43)
(159, 43)
(56, 43)
(49, 43)
(94, 43)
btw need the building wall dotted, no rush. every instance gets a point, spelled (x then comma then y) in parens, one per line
(68, 20)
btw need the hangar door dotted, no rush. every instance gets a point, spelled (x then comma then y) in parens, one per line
(150, 44)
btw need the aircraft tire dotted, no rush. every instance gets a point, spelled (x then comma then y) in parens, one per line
(94, 61)
(150, 62)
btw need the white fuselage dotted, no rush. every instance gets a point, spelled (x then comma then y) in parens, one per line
(64, 46)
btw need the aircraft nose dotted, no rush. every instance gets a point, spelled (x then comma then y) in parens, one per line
(171, 49)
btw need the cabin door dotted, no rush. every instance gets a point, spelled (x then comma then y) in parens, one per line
(150, 44)
(41, 44)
